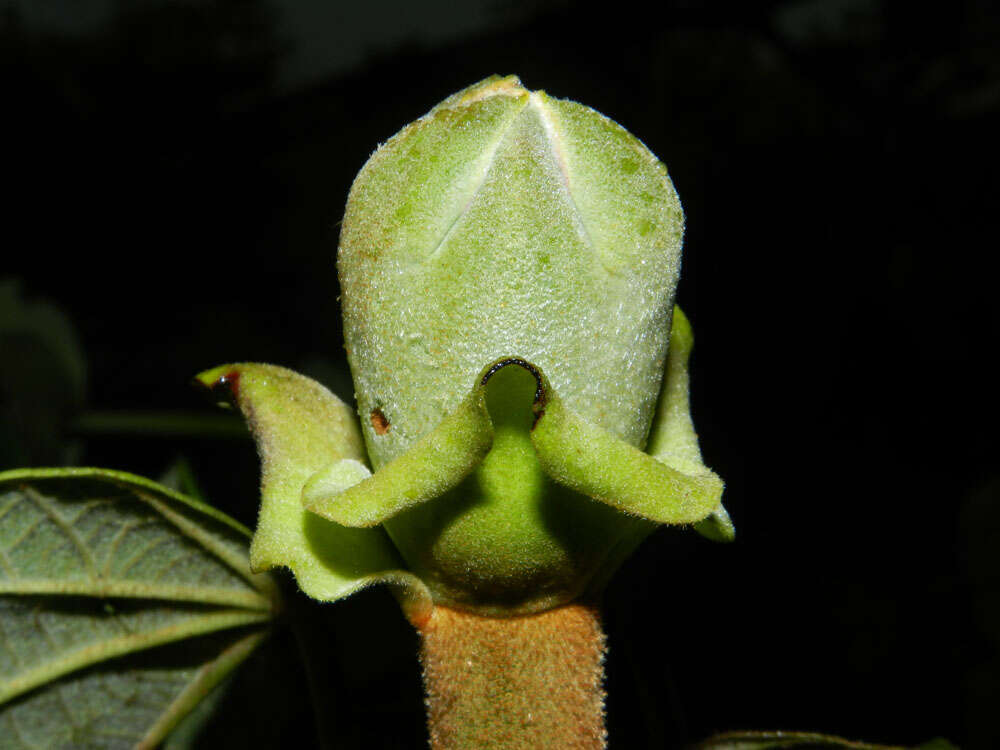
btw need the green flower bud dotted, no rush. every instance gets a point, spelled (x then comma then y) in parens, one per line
(507, 223)
(508, 264)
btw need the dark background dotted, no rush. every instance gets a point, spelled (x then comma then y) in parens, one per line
(178, 170)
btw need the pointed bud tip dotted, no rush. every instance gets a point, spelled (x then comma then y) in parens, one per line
(487, 88)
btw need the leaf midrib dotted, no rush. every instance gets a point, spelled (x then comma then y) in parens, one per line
(105, 588)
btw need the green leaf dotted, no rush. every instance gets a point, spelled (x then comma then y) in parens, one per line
(97, 570)
(129, 702)
(301, 428)
(94, 532)
(186, 733)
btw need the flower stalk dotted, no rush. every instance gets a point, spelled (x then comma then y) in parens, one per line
(514, 682)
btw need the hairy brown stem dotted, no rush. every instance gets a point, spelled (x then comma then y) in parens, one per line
(533, 681)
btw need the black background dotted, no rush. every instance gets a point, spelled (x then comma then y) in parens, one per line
(836, 161)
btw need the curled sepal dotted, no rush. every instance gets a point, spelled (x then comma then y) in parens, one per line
(571, 451)
(301, 428)
(433, 465)
(602, 466)
(673, 439)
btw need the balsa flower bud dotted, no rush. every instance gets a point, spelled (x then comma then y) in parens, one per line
(508, 265)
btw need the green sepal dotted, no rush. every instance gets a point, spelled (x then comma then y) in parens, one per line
(301, 428)
(718, 527)
(602, 466)
(672, 438)
(326, 487)
(673, 441)
(574, 453)
(437, 462)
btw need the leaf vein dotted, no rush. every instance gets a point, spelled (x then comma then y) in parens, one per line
(67, 528)
(18, 499)
(95, 503)
(7, 565)
(61, 697)
(20, 733)
(212, 544)
(166, 568)
(134, 560)
(5, 642)
(36, 616)
(116, 542)
(26, 533)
